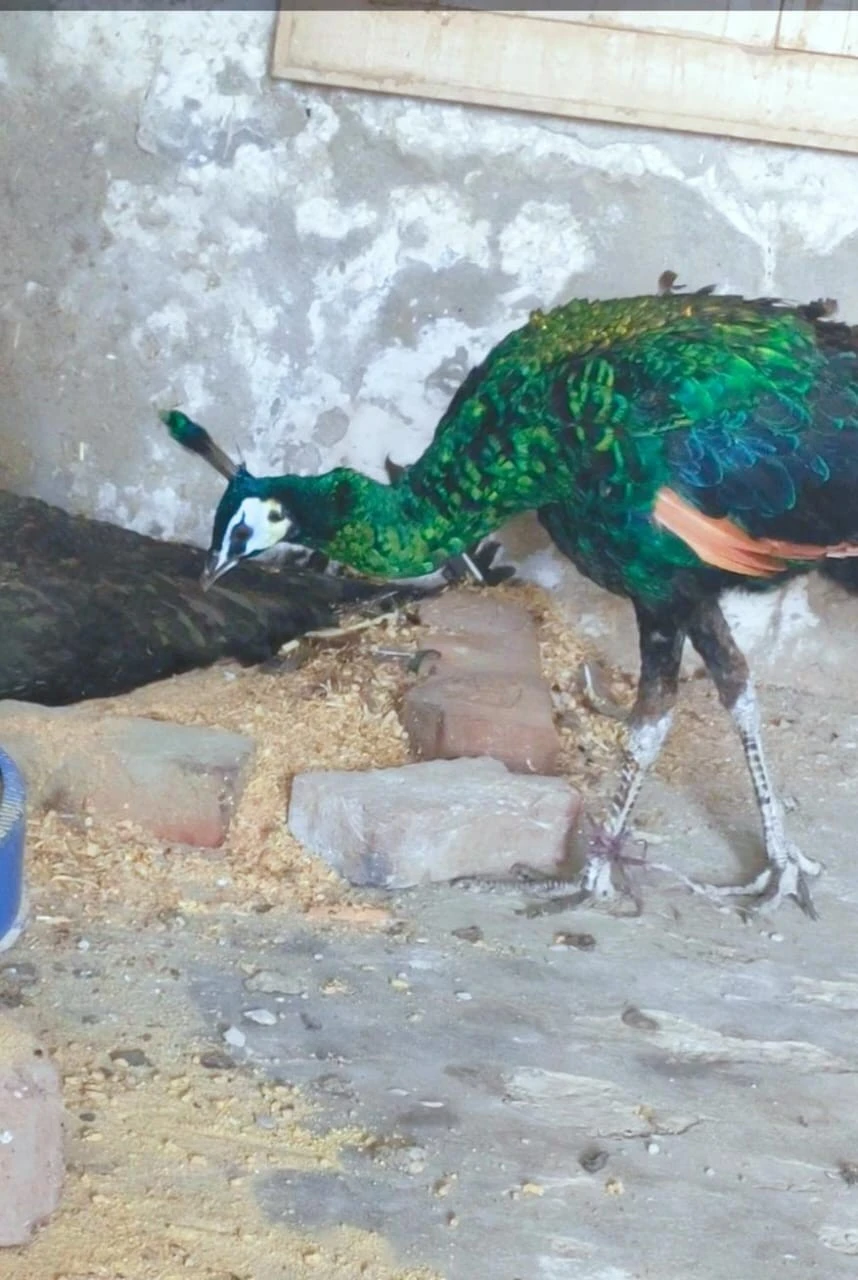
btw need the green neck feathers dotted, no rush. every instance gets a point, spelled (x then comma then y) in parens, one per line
(387, 530)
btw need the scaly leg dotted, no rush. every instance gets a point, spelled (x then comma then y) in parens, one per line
(787, 869)
(661, 642)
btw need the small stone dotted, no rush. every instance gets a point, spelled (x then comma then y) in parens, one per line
(633, 1017)
(614, 1187)
(848, 1170)
(443, 1185)
(131, 1057)
(21, 972)
(464, 995)
(263, 1017)
(469, 933)
(236, 1038)
(395, 828)
(31, 1125)
(273, 982)
(216, 1060)
(579, 941)
(593, 1160)
(653, 1148)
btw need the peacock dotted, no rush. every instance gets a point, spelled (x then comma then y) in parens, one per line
(672, 446)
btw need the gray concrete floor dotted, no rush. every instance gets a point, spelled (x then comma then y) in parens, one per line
(677, 1099)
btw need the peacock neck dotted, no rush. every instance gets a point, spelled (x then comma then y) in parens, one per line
(386, 530)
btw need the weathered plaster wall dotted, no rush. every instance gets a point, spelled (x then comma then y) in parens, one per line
(311, 273)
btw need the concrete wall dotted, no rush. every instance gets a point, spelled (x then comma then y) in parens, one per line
(310, 272)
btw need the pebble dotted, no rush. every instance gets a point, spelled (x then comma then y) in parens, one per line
(131, 1057)
(264, 1018)
(469, 933)
(272, 981)
(593, 1160)
(562, 941)
(214, 1060)
(464, 995)
(236, 1038)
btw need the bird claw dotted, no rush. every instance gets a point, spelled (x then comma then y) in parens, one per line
(603, 877)
(776, 882)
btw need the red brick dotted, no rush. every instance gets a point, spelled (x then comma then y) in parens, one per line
(481, 690)
(179, 782)
(31, 1136)
(483, 714)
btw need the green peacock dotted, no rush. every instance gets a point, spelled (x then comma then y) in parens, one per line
(672, 446)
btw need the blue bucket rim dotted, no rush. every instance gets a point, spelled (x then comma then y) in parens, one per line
(14, 799)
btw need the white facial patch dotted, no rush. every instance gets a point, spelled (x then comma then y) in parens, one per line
(254, 514)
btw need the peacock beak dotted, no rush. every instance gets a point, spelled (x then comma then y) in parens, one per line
(215, 568)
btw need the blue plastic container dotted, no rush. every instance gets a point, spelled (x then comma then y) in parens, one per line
(13, 817)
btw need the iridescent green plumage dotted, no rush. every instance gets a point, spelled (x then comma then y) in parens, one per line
(584, 413)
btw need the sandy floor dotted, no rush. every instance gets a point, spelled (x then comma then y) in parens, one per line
(439, 1085)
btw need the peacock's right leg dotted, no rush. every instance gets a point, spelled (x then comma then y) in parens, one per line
(661, 639)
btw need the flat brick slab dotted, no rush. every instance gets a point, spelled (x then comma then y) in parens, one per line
(393, 828)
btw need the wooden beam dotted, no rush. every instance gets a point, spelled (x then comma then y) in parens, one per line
(586, 72)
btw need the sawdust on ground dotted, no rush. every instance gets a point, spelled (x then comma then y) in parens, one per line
(338, 709)
(163, 1155)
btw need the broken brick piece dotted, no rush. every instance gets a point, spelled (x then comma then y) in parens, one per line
(31, 1136)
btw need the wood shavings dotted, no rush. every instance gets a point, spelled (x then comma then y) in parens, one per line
(339, 710)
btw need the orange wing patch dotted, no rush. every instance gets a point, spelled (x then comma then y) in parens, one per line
(724, 545)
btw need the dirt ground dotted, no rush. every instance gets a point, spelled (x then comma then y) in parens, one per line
(270, 1077)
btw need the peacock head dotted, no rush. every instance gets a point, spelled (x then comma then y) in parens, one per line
(247, 520)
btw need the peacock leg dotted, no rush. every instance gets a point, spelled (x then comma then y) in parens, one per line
(661, 643)
(787, 868)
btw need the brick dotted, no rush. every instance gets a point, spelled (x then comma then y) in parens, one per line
(180, 783)
(498, 631)
(31, 1136)
(481, 690)
(394, 828)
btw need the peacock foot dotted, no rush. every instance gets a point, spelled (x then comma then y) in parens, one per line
(785, 876)
(604, 876)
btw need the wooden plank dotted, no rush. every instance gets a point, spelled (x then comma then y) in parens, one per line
(758, 26)
(819, 28)
(586, 72)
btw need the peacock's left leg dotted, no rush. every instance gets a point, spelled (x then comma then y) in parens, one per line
(787, 868)
(661, 642)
